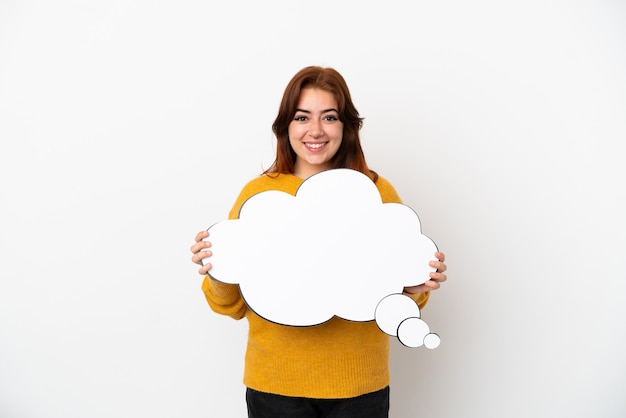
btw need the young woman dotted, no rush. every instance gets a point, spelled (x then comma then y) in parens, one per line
(339, 368)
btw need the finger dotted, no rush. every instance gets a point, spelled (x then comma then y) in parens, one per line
(200, 255)
(201, 235)
(440, 256)
(432, 284)
(198, 246)
(438, 277)
(441, 267)
(204, 270)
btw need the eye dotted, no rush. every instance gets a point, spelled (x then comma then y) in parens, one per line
(300, 118)
(331, 118)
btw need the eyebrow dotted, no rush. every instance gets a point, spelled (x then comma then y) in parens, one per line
(323, 111)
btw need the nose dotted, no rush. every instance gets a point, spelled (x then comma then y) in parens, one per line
(316, 130)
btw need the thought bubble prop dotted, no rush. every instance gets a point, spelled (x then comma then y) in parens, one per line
(333, 249)
(399, 316)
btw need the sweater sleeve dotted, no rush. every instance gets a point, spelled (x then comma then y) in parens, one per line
(389, 194)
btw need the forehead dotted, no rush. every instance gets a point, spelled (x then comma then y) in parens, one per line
(317, 98)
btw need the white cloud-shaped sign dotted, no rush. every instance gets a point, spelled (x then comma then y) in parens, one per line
(334, 249)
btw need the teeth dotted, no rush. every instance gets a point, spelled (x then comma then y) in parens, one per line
(315, 146)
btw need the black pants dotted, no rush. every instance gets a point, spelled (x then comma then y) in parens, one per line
(268, 405)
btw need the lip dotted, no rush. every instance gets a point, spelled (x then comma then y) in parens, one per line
(317, 146)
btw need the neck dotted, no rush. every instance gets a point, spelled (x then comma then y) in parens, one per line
(304, 171)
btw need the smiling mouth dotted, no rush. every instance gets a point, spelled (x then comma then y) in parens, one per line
(315, 146)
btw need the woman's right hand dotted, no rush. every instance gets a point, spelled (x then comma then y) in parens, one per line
(200, 251)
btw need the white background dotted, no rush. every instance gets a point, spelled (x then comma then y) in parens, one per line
(126, 126)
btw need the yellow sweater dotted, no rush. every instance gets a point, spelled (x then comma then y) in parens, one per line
(336, 359)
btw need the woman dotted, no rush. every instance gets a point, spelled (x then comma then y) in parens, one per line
(338, 368)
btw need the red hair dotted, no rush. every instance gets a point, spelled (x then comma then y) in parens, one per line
(350, 153)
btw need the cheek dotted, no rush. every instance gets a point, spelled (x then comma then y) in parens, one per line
(338, 135)
(337, 132)
(292, 138)
(294, 131)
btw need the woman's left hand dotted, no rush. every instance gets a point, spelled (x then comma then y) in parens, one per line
(436, 277)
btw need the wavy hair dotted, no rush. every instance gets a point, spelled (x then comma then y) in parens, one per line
(350, 153)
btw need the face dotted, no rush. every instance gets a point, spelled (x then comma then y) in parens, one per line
(315, 133)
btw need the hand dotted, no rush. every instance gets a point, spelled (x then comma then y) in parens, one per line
(199, 250)
(436, 277)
